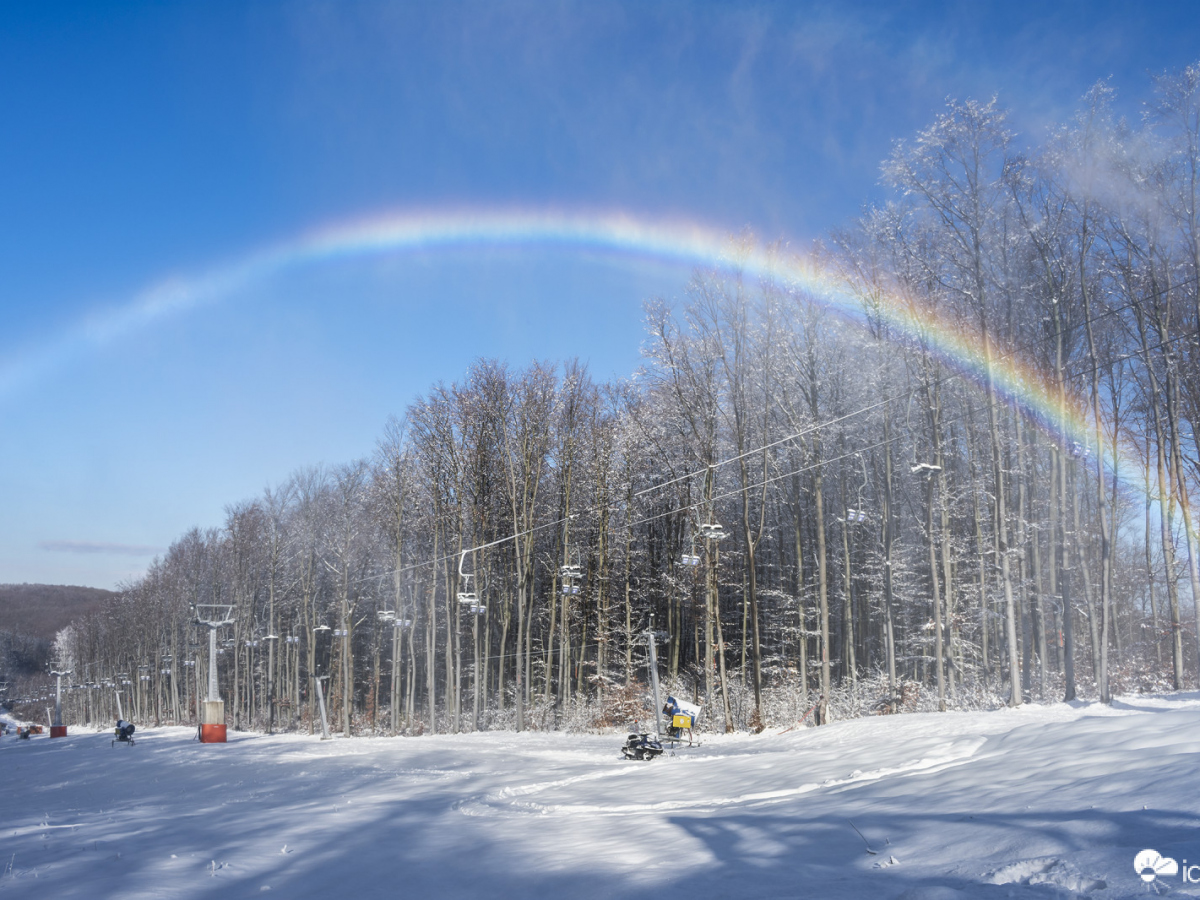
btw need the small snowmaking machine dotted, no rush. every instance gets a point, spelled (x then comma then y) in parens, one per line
(123, 734)
(681, 718)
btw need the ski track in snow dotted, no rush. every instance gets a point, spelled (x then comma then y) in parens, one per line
(499, 803)
(1039, 802)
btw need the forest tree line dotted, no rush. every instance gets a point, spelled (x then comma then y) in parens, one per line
(812, 513)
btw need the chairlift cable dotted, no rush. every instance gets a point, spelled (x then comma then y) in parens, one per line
(941, 380)
(1012, 354)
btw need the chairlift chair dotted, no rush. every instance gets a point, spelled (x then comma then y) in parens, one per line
(571, 574)
(466, 596)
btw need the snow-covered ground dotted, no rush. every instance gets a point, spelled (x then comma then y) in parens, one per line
(1041, 801)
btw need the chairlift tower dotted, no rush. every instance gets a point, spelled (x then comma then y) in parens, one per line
(58, 729)
(212, 716)
(653, 664)
(325, 735)
(712, 534)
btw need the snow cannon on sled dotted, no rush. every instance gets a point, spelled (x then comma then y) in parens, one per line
(123, 734)
(641, 746)
(681, 717)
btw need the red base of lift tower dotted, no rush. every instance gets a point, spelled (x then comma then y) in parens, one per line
(212, 722)
(212, 734)
(58, 731)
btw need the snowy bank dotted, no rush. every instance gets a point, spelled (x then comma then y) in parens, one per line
(1040, 801)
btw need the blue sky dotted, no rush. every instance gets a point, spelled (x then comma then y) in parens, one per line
(144, 142)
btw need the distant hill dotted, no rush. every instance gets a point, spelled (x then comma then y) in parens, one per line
(32, 614)
(42, 610)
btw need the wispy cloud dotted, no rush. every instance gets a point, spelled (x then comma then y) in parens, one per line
(98, 547)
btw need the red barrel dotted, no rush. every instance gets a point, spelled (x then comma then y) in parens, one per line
(212, 734)
(58, 731)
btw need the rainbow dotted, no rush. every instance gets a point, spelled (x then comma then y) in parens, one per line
(673, 241)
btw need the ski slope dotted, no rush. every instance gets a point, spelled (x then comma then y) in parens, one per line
(1041, 801)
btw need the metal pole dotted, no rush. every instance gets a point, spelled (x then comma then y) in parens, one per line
(212, 664)
(57, 728)
(347, 672)
(654, 684)
(272, 639)
(58, 698)
(321, 702)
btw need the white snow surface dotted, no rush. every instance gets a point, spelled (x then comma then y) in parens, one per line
(1036, 802)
